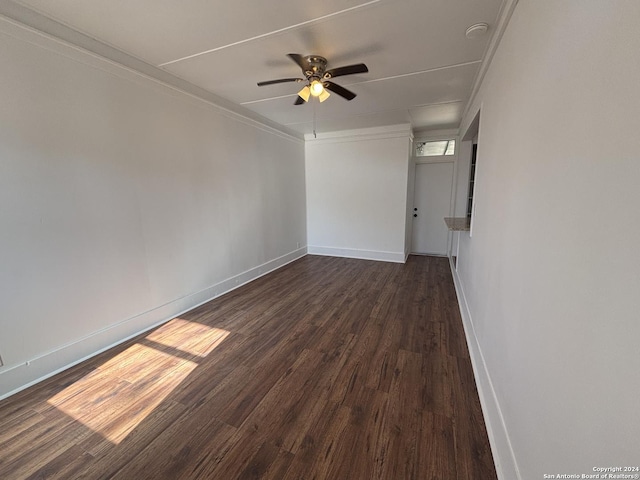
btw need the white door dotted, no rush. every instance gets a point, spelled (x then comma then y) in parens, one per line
(432, 202)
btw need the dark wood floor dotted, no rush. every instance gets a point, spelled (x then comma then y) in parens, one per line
(326, 369)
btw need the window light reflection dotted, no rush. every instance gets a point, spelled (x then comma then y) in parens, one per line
(113, 399)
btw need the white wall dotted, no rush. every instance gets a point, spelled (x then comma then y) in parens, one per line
(463, 166)
(411, 184)
(357, 193)
(124, 202)
(461, 189)
(550, 276)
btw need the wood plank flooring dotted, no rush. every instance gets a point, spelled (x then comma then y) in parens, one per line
(328, 368)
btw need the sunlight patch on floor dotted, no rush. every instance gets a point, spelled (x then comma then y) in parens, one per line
(189, 337)
(116, 397)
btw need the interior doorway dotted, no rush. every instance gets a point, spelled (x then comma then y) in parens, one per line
(432, 202)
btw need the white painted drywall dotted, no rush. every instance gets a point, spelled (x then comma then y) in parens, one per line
(461, 189)
(124, 202)
(463, 166)
(550, 276)
(357, 194)
(411, 184)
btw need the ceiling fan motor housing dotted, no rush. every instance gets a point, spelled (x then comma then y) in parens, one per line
(317, 66)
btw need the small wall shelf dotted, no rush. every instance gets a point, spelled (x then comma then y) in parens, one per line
(458, 224)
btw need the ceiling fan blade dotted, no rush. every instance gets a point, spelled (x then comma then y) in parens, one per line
(299, 59)
(280, 80)
(343, 92)
(348, 70)
(299, 101)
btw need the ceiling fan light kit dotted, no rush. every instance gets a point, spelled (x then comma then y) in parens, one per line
(316, 88)
(317, 78)
(305, 93)
(323, 96)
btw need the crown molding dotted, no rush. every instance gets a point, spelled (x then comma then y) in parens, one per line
(440, 134)
(372, 133)
(504, 15)
(22, 16)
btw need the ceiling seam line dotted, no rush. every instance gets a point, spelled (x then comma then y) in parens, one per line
(275, 32)
(268, 99)
(132, 69)
(436, 104)
(376, 80)
(251, 102)
(464, 64)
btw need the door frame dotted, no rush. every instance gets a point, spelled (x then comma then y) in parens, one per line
(418, 160)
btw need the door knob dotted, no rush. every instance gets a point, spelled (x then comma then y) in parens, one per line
(415, 214)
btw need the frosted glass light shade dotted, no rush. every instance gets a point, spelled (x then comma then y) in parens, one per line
(323, 96)
(305, 93)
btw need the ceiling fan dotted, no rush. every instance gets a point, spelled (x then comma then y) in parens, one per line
(318, 78)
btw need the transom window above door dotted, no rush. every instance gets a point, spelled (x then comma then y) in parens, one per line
(435, 148)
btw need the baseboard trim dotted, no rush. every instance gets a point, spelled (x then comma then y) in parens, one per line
(503, 455)
(395, 257)
(16, 378)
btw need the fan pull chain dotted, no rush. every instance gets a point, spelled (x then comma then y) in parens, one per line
(314, 120)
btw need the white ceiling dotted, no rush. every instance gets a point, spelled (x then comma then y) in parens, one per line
(421, 65)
